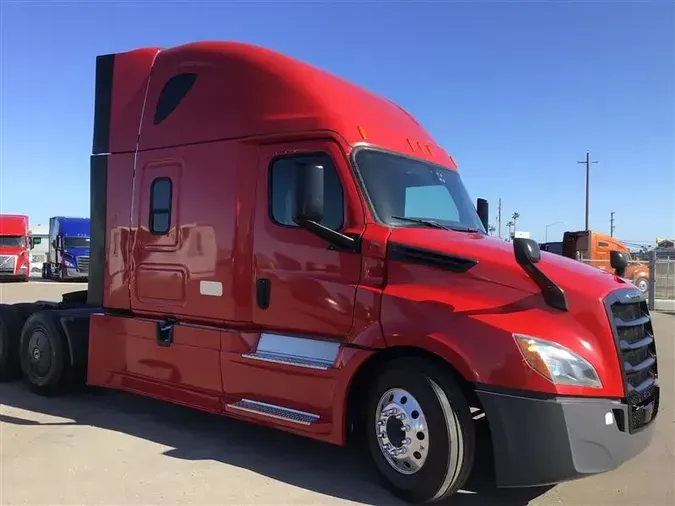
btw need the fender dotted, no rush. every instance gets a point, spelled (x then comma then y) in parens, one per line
(75, 325)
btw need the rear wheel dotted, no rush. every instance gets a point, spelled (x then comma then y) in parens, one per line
(44, 354)
(419, 431)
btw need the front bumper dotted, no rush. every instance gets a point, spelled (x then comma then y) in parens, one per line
(539, 441)
(74, 273)
(14, 277)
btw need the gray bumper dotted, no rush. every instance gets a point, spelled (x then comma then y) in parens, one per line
(540, 441)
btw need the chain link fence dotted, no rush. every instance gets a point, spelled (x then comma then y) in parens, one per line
(662, 279)
(653, 275)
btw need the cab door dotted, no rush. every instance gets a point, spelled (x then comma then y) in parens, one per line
(303, 284)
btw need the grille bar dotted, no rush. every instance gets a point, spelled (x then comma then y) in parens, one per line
(632, 328)
(83, 263)
(7, 264)
(643, 320)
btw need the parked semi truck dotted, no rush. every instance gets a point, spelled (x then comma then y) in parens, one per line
(14, 247)
(355, 294)
(594, 248)
(68, 255)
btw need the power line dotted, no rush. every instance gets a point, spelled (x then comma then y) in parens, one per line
(588, 177)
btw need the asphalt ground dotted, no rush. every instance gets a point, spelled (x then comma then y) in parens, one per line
(103, 447)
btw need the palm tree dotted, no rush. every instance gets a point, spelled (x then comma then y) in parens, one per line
(510, 224)
(514, 217)
(491, 229)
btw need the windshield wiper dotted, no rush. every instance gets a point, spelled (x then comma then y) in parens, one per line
(429, 223)
(465, 229)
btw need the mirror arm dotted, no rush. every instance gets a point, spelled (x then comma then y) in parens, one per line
(553, 295)
(330, 235)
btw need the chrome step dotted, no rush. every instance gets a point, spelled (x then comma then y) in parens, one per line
(273, 411)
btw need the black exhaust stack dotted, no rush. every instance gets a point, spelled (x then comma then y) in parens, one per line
(98, 176)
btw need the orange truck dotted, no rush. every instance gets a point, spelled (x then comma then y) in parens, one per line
(594, 248)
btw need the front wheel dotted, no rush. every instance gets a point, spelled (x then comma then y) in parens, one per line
(642, 284)
(419, 430)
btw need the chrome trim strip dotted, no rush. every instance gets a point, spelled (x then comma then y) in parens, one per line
(288, 360)
(296, 351)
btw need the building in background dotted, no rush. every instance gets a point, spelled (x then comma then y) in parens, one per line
(520, 234)
(39, 237)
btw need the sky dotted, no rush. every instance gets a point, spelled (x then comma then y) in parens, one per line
(516, 91)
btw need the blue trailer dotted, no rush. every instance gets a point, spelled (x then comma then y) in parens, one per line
(68, 255)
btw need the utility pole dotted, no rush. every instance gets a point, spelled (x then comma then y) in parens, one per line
(588, 177)
(499, 218)
(611, 224)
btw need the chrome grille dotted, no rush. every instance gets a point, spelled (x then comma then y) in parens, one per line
(632, 327)
(7, 264)
(83, 264)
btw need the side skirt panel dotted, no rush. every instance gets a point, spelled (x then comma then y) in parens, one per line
(294, 383)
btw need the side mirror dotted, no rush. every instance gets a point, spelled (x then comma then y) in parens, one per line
(619, 262)
(310, 199)
(527, 254)
(483, 212)
(526, 251)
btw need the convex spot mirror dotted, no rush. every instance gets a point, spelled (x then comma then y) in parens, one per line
(619, 262)
(526, 251)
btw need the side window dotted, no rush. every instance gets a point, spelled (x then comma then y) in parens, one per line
(160, 205)
(283, 194)
(171, 95)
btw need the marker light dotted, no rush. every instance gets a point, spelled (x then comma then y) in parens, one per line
(362, 131)
(556, 363)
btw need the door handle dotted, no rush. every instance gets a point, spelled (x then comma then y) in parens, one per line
(164, 331)
(262, 286)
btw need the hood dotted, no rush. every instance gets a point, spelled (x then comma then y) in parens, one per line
(496, 263)
(495, 298)
(12, 250)
(76, 252)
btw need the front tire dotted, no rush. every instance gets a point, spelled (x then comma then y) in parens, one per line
(419, 430)
(44, 354)
(642, 284)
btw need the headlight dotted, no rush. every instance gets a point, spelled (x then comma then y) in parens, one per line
(558, 364)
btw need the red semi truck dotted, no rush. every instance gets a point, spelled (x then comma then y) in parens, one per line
(14, 247)
(338, 283)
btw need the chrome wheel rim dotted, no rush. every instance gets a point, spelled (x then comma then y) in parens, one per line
(402, 432)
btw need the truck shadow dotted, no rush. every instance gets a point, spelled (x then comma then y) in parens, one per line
(344, 472)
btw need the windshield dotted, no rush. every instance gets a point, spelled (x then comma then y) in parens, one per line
(12, 240)
(401, 189)
(76, 242)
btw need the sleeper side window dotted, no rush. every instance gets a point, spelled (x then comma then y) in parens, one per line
(172, 94)
(283, 195)
(160, 205)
